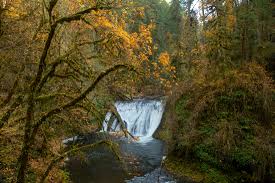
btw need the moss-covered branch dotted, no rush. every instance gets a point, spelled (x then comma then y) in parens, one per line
(50, 96)
(12, 108)
(80, 14)
(48, 75)
(77, 99)
(30, 132)
(121, 122)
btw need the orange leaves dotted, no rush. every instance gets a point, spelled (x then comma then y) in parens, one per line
(163, 72)
(231, 21)
(120, 45)
(133, 40)
(102, 22)
(146, 33)
(143, 57)
(164, 59)
(167, 69)
(143, 42)
(251, 77)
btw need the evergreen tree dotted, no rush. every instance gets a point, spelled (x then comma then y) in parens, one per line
(175, 18)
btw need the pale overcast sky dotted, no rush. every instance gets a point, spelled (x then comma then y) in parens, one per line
(195, 4)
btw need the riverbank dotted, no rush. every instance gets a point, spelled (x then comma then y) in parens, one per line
(193, 172)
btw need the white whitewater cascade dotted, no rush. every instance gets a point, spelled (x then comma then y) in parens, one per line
(142, 117)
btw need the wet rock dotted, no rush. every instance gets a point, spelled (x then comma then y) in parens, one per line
(86, 138)
(156, 176)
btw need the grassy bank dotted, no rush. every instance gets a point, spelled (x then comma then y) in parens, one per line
(194, 172)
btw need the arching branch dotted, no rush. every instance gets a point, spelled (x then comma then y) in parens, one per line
(77, 99)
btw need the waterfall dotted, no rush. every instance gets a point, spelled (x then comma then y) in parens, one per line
(142, 117)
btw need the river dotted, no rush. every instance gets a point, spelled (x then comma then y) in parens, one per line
(141, 159)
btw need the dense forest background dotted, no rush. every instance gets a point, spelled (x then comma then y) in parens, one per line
(63, 64)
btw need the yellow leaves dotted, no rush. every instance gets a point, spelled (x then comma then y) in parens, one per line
(161, 70)
(229, 6)
(230, 18)
(42, 36)
(15, 9)
(103, 22)
(123, 46)
(231, 21)
(209, 33)
(252, 77)
(143, 57)
(157, 75)
(116, 33)
(133, 40)
(140, 12)
(145, 32)
(164, 59)
(120, 32)
(81, 2)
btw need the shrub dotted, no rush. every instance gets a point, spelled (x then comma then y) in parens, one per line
(224, 120)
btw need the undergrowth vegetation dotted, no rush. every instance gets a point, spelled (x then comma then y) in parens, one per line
(224, 121)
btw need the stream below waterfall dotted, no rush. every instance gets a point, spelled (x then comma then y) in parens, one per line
(141, 160)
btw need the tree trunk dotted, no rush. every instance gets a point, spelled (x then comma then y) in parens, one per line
(24, 156)
(23, 164)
